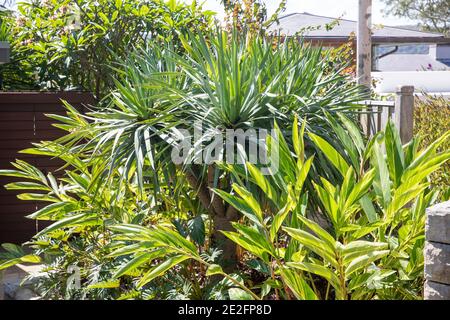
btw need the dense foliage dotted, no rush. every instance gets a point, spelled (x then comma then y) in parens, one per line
(433, 15)
(364, 240)
(342, 218)
(431, 121)
(72, 44)
(4, 27)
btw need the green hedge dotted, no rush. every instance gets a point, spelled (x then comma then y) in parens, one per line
(431, 121)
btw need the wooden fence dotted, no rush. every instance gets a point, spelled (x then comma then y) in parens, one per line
(23, 121)
(401, 111)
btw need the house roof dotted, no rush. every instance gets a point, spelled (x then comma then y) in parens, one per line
(294, 22)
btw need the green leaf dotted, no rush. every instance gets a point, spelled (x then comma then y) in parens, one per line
(75, 220)
(250, 201)
(329, 203)
(14, 249)
(161, 269)
(262, 182)
(144, 10)
(297, 284)
(139, 260)
(197, 231)
(239, 294)
(394, 153)
(314, 244)
(58, 207)
(31, 258)
(132, 248)
(255, 235)
(302, 174)
(319, 231)
(382, 174)
(368, 209)
(364, 260)
(240, 205)
(214, 269)
(105, 284)
(358, 248)
(298, 140)
(25, 185)
(246, 243)
(103, 17)
(318, 270)
(279, 218)
(335, 158)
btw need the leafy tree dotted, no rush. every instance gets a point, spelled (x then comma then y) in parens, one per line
(72, 44)
(433, 15)
(250, 15)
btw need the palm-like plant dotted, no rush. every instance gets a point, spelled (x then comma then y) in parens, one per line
(224, 80)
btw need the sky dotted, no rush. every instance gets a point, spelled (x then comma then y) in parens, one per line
(347, 9)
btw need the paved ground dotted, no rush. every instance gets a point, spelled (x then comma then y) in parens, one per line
(12, 286)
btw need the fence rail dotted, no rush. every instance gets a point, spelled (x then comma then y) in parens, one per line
(400, 110)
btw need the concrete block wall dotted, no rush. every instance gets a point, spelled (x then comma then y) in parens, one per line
(437, 252)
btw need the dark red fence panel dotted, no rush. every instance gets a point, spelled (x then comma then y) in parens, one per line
(23, 121)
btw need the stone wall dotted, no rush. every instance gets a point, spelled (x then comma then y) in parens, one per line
(437, 252)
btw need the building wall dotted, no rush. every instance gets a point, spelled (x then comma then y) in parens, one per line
(410, 58)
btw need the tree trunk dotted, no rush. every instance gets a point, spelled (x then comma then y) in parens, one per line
(229, 258)
(221, 217)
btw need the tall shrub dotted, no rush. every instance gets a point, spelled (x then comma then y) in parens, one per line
(72, 44)
(431, 121)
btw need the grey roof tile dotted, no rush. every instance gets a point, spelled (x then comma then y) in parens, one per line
(292, 23)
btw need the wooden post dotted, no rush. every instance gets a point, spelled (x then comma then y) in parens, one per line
(404, 112)
(364, 56)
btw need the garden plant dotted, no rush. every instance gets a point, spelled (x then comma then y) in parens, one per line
(341, 216)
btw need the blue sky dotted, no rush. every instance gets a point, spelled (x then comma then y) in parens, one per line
(332, 8)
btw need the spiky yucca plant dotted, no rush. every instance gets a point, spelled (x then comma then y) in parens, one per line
(226, 81)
